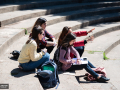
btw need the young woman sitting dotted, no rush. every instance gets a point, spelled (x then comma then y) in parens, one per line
(79, 45)
(49, 43)
(29, 59)
(67, 62)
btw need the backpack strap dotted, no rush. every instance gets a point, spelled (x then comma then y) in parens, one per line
(66, 49)
(56, 73)
(57, 78)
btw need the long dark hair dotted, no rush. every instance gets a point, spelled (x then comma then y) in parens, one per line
(67, 39)
(63, 34)
(39, 22)
(34, 35)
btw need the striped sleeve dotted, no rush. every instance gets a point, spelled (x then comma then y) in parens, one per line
(48, 35)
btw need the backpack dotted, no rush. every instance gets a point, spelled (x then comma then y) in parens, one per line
(48, 75)
(15, 54)
(56, 58)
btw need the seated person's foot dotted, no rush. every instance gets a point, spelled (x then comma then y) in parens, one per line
(20, 67)
(103, 79)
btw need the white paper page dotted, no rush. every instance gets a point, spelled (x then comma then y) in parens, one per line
(82, 61)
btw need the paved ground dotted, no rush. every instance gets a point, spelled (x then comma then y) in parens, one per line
(20, 80)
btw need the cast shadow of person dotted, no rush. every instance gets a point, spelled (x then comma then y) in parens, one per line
(85, 79)
(17, 72)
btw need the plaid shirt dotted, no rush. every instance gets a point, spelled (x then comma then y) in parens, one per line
(48, 35)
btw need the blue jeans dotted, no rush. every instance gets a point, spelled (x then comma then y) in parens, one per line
(35, 64)
(91, 65)
(87, 67)
(80, 50)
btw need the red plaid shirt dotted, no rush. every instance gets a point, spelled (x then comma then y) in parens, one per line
(48, 35)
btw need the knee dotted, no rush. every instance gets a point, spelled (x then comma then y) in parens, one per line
(85, 65)
(47, 56)
(81, 48)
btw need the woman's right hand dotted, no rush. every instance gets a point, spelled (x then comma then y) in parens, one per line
(44, 50)
(55, 44)
(79, 62)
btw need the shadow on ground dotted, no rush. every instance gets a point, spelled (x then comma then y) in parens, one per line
(17, 72)
(86, 80)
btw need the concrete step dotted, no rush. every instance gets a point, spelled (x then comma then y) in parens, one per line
(113, 45)
(114, 53)
(32, 4)
(10, 74)
(55, 29)
(101, 43)
(8, 36)
(26, 14)
(16, 16)
(98, 0)
(18, 80)
(56, 18)
(15, 1)
(24, 80)
(100, 29)
(82, 22)
(9, 65)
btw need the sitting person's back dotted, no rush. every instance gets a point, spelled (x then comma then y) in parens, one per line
(29, 59)
(65, 56)
(28, 53)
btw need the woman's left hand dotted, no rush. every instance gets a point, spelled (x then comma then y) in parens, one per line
(91, 30)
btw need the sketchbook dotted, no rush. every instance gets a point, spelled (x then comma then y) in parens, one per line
(83, 60)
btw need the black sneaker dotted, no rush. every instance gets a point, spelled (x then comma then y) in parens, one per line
(103, 79)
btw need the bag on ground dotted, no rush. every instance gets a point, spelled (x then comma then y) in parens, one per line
(15, 54)
(48, 75)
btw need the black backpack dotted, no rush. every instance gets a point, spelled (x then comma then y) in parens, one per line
(48, 77)
(56, 58)
(15, 54)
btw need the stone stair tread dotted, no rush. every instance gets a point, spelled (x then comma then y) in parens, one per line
(72, 23)
(8, 33)
(12, 75)
(102, 42)
(57, 28)
(30, 4)
(24, 12)
(31, 21)
(13, 14)
(102, 27)
(28, 78)
(114, 53)
(12, 17)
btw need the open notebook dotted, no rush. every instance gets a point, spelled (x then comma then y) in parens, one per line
(83, 60)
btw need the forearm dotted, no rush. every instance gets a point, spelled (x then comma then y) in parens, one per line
(79, 43)
(65, 61)
(80, 33)
(53, 39)
(36, 56)
(75, 52)
(50, 43)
